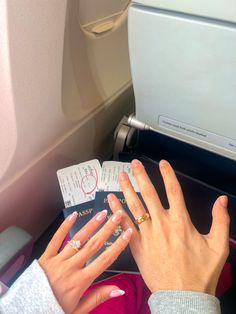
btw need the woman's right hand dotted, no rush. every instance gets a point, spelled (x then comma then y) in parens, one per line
(68, 276)
(170, 253)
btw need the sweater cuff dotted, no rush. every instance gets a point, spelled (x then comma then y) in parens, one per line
(31, 293)
(183, 302)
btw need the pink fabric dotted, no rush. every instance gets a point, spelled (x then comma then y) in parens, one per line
(133, 302)
(64, 243)
(136, 293)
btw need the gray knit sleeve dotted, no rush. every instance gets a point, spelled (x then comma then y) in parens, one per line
(183, 302)
(31, 293)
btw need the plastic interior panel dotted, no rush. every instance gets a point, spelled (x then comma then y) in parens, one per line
(216, 9)
(60, 102)
(183, 69)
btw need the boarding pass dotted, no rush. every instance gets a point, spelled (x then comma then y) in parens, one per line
(79, 183)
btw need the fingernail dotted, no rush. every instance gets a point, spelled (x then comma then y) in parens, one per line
(116, 293)
(223, 201)
(73, 216)
(100, 216)
(111, 197)
(127, 234)
(116, 216)
(123, 176)
(163, 163)
(136, 163)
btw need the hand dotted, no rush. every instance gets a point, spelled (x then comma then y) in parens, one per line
(68, 276)
(170, 253)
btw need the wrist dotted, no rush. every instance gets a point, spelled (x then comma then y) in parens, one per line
(194, 287)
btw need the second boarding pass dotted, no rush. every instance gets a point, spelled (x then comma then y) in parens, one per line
(79, 183)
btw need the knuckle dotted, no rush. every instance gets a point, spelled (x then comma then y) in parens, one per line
(181, 232)
(56, 237)
(174, 189)
(93, 245)
(134, 206)
(125, 183)
(99, 299)
(86, 276)
(108, 259)
(108, 227)
(149, 192)
(181, 226)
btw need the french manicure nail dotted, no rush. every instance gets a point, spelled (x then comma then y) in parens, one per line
(101, 215)
(127, 234)
(117, 293)
(73, 216)
(116, 216)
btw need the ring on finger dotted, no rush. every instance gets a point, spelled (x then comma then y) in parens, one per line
(142, 218)
(75, 244)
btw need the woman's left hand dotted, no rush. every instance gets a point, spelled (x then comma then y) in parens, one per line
(68, 276)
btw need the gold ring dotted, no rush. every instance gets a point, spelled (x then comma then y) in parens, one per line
(142, 218)
(75, 244)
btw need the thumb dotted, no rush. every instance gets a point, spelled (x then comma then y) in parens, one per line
(219, 231)
(96, 297)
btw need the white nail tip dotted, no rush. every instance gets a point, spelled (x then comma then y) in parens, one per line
(101, 215)
(117, 293)
(127, 234)
(74, 214)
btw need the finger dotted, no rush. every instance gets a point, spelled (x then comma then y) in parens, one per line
(96, 297)
(219, 231)
(83, 235)
(103, 261)
(56, 241)
(135, 205)
(173, 189)
(126, 221)
(147, 189)
(133, 201)
(97, 241)
(115, 205)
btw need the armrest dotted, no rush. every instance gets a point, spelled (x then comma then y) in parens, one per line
(15, 247)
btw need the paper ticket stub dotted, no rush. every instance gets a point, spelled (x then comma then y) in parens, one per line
(110, 172)
(79, 183)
